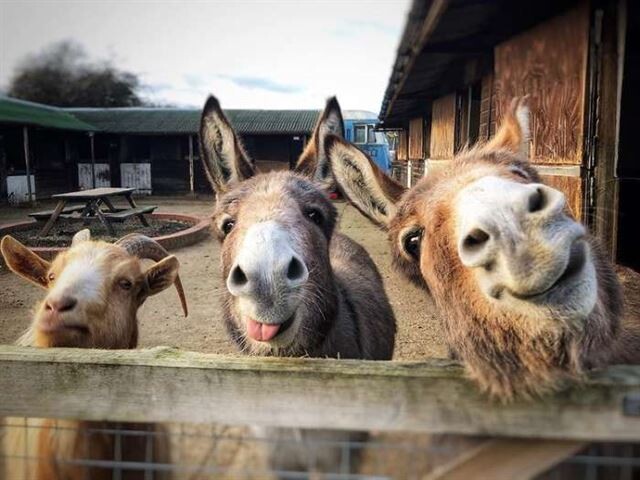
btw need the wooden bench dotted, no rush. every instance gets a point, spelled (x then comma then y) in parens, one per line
(130, 212)
(46, 214)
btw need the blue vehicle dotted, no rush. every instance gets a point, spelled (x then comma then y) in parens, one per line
(359, 126)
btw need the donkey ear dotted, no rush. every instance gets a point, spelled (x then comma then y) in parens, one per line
(513, 133)
(313, 161)
(24, 262)
(367, 187)
(223, 156)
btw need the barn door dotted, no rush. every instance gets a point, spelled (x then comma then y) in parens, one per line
(549, 62)
(136, 175)
(85, 175)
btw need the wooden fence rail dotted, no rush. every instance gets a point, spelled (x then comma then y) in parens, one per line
(164, 384)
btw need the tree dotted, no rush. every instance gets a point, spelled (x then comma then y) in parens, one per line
(62, 76)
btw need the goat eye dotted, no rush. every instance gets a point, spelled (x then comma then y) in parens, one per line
(315, 216)
(125, 284)
(228, 225)
(411, 243)
(51, 277)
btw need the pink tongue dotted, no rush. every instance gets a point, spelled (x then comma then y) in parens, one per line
(261, 331)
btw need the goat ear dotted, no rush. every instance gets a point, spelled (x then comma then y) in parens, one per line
(367, 187)
(313, 161)
(83, 235)
(161, 275)
(223, 156)
(513, 133)
(24, 262)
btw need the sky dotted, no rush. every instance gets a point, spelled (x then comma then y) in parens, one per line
(281, 54)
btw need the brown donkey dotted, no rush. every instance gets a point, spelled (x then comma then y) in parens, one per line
(294, 286)
(528, 298)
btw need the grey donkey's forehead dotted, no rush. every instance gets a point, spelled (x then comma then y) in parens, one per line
(277, 183)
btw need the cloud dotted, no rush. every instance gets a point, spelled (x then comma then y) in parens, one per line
(261, 83)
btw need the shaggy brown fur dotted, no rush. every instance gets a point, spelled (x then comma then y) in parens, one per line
(505, 353)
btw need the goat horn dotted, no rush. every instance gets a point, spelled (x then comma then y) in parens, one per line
(144, 247)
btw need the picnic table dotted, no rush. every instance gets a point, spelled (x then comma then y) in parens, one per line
(87, 205)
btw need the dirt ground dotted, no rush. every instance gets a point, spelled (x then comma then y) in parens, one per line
(419, 330)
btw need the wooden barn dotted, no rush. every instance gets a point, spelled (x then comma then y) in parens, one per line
(156, 149)
(40, 143)
(460, 62)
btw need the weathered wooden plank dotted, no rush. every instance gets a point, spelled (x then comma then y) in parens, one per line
(443, 124)
(416, 133)
(486, 103)
(403, 151)
(571, 187)
(548, 62)
(508, 459)
(611, 60)
(163, 384)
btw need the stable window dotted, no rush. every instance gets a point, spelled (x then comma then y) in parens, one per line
(364, 133)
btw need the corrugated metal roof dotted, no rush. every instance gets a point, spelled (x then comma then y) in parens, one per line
(21, 112)
(176, 121)
(187, 121)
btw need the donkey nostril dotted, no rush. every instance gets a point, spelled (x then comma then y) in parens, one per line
(475, 239)
(238, 277)
(295, 271)
(537, 200)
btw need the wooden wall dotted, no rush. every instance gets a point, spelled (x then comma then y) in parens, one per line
(443, 125)
(486, 107)
(416, 145)
(402, 154)
(549, 63)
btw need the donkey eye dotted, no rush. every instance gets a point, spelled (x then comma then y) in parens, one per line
(411, 243)
(315, 216)
(520, 173)
(51, 276)
(125, 284)
(228, 225)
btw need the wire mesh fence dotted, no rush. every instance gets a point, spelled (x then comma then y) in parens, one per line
(40, 448)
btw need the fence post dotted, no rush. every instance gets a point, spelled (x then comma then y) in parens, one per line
(191, 171)
(409, 173)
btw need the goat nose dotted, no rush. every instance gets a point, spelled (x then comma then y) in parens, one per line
(62, 304)
(475, 247)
